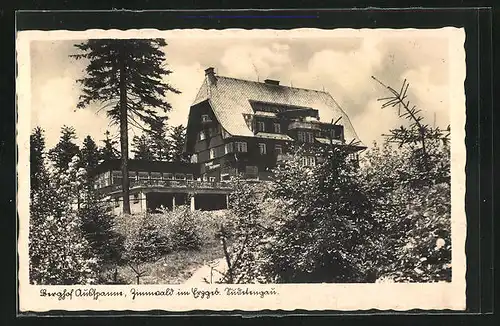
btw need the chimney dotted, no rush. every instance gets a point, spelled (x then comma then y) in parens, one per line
(272, 82)
(210, 74)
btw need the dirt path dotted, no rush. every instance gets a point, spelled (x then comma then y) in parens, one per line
(212, 269)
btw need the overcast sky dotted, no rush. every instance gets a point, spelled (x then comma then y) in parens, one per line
(343, 66)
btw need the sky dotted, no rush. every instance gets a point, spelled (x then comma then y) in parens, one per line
(341, 64)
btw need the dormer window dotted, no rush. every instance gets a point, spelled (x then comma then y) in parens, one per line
(201, 135)
(228, 148)
(261, 126)
(205, 118)
(305, 137)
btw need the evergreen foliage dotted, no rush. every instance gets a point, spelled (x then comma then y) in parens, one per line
(126, 76)
(178, 139)
(64, 151)
(141, 148)
(59, 252)
(108, 151)
(37, 158)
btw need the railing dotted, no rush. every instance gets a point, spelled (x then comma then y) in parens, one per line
(177, 184)
(303, 125)
(283, 157)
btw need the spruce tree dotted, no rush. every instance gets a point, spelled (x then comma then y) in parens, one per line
(141, 148)
(159, 142)
(178, 139)
(108, 151)
(89, 155)
(64, 151)
(126, 77)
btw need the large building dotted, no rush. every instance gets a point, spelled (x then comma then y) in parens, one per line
(245, 127)
(235, 127)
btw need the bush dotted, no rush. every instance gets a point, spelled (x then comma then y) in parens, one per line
(98, 227)
(412, 209)
(185, 229)
(145, 240)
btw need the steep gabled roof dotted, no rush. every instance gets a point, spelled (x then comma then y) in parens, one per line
(230, 100)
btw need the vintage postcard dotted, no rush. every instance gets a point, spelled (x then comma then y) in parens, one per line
(180, 170)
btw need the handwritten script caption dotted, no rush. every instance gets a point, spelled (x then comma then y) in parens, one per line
(134, 293)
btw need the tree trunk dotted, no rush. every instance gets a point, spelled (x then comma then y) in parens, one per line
(124, 136)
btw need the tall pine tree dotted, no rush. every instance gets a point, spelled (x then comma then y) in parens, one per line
(64, 151)
(126, 77)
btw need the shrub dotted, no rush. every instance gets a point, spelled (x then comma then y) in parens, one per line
(412, 209)
(98, 227)
(185, 228)
(145, 240)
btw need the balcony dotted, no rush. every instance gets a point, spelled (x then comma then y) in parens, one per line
(303, 125)
(175, 184)
(284, 157)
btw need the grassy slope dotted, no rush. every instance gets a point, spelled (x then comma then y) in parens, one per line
(174, 268)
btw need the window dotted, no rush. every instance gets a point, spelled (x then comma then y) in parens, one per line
(228, 148)
(180, 176)
(204, 177)
(212, 179)
(107, 177)
(212, 153)
(305, 137)
(205, 118)
(131, 175)
(261, 126)
(117, 177)
(189, 177)
(143, 176)
(278, 149)
(277, 128)
(262, 148)
(308, 161)
(167, 176)
(155, 175)
(194, 158)
(301, 136)
(309, 137)
(241, 146)
(251, 171)
(202, 135)
(136, 198)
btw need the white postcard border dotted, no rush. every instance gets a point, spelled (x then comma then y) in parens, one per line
(343, 297)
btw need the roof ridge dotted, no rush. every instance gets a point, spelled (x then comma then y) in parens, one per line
(258, 82)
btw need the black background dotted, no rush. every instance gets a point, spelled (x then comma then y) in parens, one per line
(479, 131)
